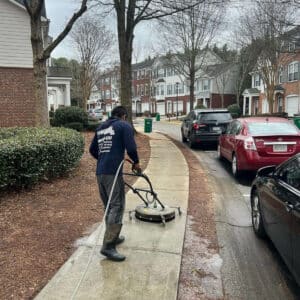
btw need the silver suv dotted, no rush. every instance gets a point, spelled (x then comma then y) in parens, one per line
(96, 113)
(203, 126)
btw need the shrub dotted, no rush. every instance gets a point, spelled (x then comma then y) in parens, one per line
(275, 114)
(70, 114)
(235, 110)
(200, 106)
(28, 155)
(75, 125)
(92, 125)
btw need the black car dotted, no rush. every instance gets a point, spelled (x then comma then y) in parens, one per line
(202, 126)
(275, 209)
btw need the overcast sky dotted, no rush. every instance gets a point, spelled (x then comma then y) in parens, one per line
(59, 12)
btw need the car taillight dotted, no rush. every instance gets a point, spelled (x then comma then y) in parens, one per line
(196, 126)
(249, 144)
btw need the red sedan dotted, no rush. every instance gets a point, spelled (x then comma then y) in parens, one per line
(255, 142)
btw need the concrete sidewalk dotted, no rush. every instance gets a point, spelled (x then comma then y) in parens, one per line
(153, 251)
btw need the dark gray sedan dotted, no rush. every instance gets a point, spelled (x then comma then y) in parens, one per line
(275, 205)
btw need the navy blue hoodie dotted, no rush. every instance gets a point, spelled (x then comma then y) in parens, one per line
(111, 139)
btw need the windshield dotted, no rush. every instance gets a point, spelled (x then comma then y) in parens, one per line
(214, 117)
(270, 128)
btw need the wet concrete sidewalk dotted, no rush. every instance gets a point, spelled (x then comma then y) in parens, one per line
(153, 251)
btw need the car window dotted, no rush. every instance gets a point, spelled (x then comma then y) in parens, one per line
(290, 173)
(215, 116)
(97, 110)
(190, 115)
(236, 128)
(271, 128)
(228, 129)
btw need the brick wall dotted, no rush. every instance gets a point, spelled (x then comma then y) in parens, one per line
(216, 100)
(16, 97)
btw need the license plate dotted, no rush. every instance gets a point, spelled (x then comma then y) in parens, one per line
(216, 128)
(280, 148)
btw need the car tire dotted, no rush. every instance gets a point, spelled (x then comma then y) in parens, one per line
(256, 216)
(234, 166)
(219, 155)
(183, 138)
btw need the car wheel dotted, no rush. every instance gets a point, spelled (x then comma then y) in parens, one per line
(191, 143)
(183, 138)
(234, 166)
(219, 154)
(256, 216)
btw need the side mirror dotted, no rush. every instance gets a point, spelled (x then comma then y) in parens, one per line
(269, 170)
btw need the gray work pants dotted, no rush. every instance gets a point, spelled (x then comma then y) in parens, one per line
(117, 203)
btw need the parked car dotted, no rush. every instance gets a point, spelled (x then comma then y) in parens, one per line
(255, 142)
(96, 113)
(202, 126)
(275, 206)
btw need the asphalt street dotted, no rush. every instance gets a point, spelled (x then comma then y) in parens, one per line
(252, 268)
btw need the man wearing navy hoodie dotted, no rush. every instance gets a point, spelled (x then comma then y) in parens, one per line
(111, 139)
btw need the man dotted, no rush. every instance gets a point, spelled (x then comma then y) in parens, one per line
(111, 139)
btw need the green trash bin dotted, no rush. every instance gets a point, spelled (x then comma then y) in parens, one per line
(148, 125)
(157, 117)
(297, 121)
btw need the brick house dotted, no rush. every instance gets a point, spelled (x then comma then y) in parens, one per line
(17, 104)
(158, 87)
(287, 91)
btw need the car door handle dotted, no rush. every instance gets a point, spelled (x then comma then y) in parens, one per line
(288, 206)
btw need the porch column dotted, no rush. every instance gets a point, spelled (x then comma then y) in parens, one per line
(67, 95)
(244, 105)
(250, 105)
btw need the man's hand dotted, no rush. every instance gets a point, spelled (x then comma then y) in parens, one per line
(136, 168)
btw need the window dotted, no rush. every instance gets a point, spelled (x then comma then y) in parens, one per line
(264, 128)
(162, 90)
(256, 80)
(142, 90)
(280, 104)
(206, 85)
(293, 71)
(107, 94)
(169, 71)
(280, 78)
(169, 89)
(292, 46)
(146, 89)
(180, 88)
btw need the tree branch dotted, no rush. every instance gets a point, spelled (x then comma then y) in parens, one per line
(63, 34)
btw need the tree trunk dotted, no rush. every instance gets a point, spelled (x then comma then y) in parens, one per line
(40, 75)
(125, 79)
(192, 89)
(125, 39)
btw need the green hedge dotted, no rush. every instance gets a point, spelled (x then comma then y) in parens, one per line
(28, 155)
(70, 114)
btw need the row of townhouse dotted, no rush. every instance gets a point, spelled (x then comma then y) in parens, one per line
(157, 87)
(16, 68)
(287, 90)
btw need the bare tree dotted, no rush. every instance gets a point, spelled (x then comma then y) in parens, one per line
(40, 54)
(265, 27)
(129, 14)
(92, 41)
(191, 32)
(222, 79)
